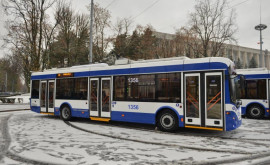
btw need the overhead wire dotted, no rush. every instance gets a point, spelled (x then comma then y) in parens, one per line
(110, 4)
(230, 1)
(240, 3)
(147, 8)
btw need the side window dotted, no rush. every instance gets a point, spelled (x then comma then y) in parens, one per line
(119, 88)
(71, 88)
(80, 89)
(35, 89)
(147, 88)
(169, 87)
(251, 89)
(133, 87)
(141, 88)
(64, 88)
(153, 87)
(256, 89)
(261, 89)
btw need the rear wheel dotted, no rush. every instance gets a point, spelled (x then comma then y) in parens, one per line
(66, 113)
(167, 121)
(255, 112)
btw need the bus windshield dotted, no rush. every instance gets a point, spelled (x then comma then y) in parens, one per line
(237, 87)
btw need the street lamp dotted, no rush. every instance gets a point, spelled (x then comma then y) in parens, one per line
(261, 27)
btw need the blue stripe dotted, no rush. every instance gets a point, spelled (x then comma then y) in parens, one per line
(145, 118)
(80, 113)
(35, 109)
(143, 70)
(133, 117)
(47, 76)
(257, 76)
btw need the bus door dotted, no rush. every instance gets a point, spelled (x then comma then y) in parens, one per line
(47, 96)
(192, 99)
(100, 97)
(203, 99)
(213, 99)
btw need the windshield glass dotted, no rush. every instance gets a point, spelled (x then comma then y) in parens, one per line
(236, 89)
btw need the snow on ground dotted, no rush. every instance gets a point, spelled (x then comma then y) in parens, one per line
(15, 106)
(48, 139)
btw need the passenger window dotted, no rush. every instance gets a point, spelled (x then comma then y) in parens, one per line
(35, 89)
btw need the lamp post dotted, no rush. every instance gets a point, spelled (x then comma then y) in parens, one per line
(261, 27)
(91, 32)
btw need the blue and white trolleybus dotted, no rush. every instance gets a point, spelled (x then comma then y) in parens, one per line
(255, 96)
(169, 93)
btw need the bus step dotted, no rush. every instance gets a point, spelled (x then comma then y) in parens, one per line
(209, 128)
(100, 119)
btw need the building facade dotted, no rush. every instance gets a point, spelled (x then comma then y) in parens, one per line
(234, 52)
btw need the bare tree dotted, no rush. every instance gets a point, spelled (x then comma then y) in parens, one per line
(101, 24)
(122, 26)
(81, 31)
(25, 32)
(210, 27)
(65, 15)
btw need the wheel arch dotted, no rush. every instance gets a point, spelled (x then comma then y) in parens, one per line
(163, 108)
(255, 103)
(65, 104)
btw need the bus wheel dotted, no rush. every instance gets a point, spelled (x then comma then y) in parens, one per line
(255, 112)
(167, 121)
(66, 113)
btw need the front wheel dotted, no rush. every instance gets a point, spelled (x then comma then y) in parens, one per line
(167, 121)
(66, 113)
(255, 112)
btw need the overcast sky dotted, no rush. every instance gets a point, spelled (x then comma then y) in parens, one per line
(168, 15)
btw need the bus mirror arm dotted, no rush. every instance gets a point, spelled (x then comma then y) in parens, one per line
(238, 103)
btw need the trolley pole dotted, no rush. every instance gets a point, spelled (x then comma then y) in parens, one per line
(91, 33)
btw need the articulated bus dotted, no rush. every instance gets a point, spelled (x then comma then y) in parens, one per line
(169, 93)
(255, 96)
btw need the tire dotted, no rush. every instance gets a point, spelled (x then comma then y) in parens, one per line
(65, 113)
(255, 112)
(167, 121)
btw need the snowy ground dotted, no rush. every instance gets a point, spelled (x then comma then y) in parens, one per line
(30, 138)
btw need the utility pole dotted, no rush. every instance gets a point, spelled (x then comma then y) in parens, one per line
(91, 32)
(6, 82)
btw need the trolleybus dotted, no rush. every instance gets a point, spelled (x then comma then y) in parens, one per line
(255, 97)
(169, 93)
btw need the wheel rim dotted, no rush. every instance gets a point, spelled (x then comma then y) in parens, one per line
(167, 121)
(65, 113)
(255, 112)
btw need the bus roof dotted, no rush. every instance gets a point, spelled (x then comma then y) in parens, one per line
(187, 64)
(254, 73)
